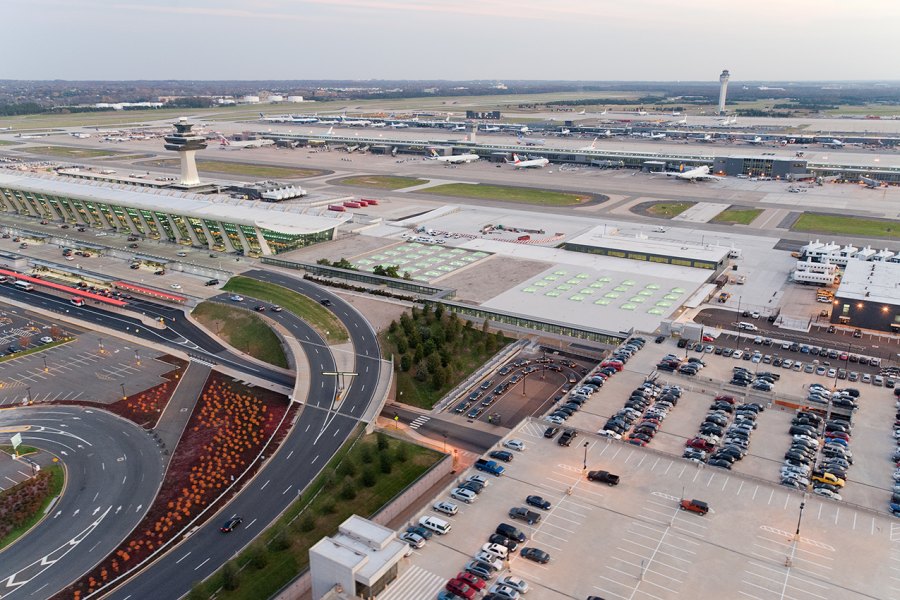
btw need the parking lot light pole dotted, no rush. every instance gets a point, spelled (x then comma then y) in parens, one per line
(799, 518)
(28, 391)
(46, 368)
(584, 469)
(124, 396)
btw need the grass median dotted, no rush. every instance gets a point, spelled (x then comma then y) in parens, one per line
(241, 168)
(243, 330)
(359, 479)
(847, 225)
(668, 209)
(32, 496)
(508, 193)
(737, 216)
(381, 182)
(307, 309)
(35, 350)
(69, 152)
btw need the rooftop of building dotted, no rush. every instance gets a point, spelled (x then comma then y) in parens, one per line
(361, 545)
(215, 207)
(603, 237)
(871, 282)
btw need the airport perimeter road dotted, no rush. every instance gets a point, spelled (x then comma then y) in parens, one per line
(180, 334)
(318, 433)
(113, 473)
(465, 438)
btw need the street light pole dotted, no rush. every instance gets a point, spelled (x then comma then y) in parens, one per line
(124, 396)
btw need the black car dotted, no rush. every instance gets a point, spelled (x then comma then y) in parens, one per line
(537, 502)
(420, 531)
(535, 554)
(231, 524)
(472, 486)
(566, 438)
(660, 339)
(504, 541)
(507, 530)
(501, 455)
(718, 462)
(550, 432)
(325, 302)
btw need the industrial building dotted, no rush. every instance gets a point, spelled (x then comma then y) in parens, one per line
(360, 560)
(869, 296)
(841, 255)
(210, 221)
(815, 273)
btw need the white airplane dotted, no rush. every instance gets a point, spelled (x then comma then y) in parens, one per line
(756, 141)
(581, 112)
(642, 113)
(692, 175)
(521, 139)
(459, 127)
(355, 122)
(79, 135)
(399, 126)
(304, 119)
(708, 138)
(379, 124)
(536, 163)
(681, 121)
(490, 128)
(266, 119)
(834, 143)
(605, 110)
(728, 121)
(226, 144)
(453, 159)
(565, 132)
(656, 136)
(593, 146)
(329, 122)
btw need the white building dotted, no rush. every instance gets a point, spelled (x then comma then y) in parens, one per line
(362, 559)
(295, 98)
(884, 256)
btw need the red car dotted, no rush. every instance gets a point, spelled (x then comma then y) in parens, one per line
(472, 580)
(708, 338)
(461, 589)
(838, 434)
(727, 399)
(700, 444)
(618, 366)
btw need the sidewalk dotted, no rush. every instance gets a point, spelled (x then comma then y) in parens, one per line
(178, 411)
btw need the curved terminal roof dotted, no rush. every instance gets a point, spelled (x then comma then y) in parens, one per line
(213, 207)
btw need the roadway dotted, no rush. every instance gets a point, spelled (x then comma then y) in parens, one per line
(318, 433)
(113, 473)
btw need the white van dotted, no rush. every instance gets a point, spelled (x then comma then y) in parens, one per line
(747, 326)
(439, 526)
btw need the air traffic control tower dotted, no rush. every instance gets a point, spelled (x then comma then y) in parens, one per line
(186, 143)
(723, 90)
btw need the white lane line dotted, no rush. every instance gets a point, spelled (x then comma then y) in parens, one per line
(182, 558)
(201, 564)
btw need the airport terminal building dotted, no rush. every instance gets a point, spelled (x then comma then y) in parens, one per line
(215, 222)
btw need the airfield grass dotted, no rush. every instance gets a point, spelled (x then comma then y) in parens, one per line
(240, 168)
(669, 209)
(841, 224)
(69, 152)
(508, 194)
(739, 216)
(381, 182)
(8, 143)
(307, 309)
(354, 481)
(243, 330)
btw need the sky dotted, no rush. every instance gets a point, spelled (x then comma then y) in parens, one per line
(596, 40)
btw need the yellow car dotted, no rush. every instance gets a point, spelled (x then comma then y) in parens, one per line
(829, 479)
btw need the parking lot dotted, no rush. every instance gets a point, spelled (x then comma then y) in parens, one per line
(869, 482)
(90, 367)
(632, 541)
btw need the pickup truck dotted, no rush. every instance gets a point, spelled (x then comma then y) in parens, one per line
(520, 512)
(489, 466)
(604, 477)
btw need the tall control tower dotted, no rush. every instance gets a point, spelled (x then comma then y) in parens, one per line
(723, 89)
(186, 143)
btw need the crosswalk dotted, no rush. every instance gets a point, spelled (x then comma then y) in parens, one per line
(419, 422)
(415, 584)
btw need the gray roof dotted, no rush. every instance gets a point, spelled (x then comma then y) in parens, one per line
(213, 207)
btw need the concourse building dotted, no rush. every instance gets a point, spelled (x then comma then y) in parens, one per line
(219, 223)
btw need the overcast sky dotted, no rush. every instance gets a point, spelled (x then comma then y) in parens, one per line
(769, 40)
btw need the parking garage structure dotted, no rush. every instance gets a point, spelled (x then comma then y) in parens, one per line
(215, 222)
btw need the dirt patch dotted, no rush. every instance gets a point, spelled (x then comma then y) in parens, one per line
(379, 313)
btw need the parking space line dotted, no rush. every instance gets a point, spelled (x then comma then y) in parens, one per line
(647, 569)
(574, 512)
(609, 593)
(546, 522)
(725, 483)
(565, 519)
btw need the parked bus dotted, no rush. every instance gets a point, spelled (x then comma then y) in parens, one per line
(24, 285)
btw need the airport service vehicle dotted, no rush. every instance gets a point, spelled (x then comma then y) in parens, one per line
(489, 466)
(604, 477)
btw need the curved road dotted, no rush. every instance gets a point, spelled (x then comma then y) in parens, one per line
(319, 432)
(113, 473)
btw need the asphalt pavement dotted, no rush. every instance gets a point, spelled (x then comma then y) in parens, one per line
(113, 469)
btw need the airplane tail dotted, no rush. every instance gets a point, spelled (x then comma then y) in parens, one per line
(516, 159)
(330, 130)
(223, 140)
(262, 116)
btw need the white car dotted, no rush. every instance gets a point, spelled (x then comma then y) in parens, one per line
(46, 339)
(737, 354)
(182, 254)
(610, 434)
(479, 479)
(463, 495)
(504, 591)
(516, 583)
(413, 539)
(497, 550)
(176, 286)
(236, 298)
(448, 508)
(827, 493)
(554, 420)
(490, 559)
(517, 445)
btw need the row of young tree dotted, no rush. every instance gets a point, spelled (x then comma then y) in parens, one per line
(384, 271)
(435, 345)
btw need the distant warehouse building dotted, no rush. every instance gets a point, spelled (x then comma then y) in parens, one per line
(208, 221)
(869, 296)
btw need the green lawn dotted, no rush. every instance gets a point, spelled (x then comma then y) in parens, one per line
(743, 216)
(381, 182)
(68, 152)
(23, 450)
(243, 330)
(57, 475)
(669, 209)
(240, 168)
(307, 309)
(284, 553)
(841, 224)
(8, 143)
(508, 194)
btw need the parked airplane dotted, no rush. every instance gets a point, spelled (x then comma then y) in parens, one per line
(728, 121)
(536, 163)
(79, 135)
(304, 119)
(355, 122)
(379, 124)
(565, 132)
(692, 175)
(593, 146)
(642, 113)
(399, 126)
(490, 128)
(756, 141)
(226, 144)
(459, 127)
(655, 136)
(706, 138)
(682, 121)
(834, 144)
(453, 159)
(871, 183)
(329, 122)
(521, 139)
(581, 112)
(276, 119)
